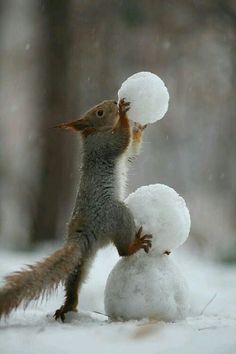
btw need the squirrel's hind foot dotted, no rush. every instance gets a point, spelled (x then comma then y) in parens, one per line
(60, 313)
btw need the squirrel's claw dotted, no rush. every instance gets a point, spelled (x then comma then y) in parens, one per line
(141, 242)
(137, 127)
(60, 313)
(123, 106)
(145, 240)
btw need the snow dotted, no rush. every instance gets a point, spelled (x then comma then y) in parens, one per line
(148, 96)
(150, 285)
(161, 212)
(210, 332)
(147, 286)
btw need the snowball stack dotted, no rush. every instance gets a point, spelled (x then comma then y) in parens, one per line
(148, 96)
(150, 285)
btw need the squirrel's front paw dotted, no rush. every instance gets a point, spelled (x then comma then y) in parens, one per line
(141, 242)
(137, 131)
(123, 107)
(139, 127)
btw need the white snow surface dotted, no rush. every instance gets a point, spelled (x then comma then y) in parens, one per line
(207, 329)
(146, 286)
(148, 96)
(162, 212)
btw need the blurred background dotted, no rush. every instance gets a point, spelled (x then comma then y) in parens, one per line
(60, 57)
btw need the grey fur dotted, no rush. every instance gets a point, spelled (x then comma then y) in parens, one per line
(104, 218)
(99, 216)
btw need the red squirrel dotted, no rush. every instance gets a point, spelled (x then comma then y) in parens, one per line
(99, 216)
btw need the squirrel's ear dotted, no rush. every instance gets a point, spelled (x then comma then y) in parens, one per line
(76, 125)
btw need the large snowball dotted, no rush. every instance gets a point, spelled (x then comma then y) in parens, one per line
(162, 213)
(146, 286)
(148, 96)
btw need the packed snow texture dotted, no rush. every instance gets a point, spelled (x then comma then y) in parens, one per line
(209, 329)
(162, 213)
(146, 286)
(148, 96)
(150, 285)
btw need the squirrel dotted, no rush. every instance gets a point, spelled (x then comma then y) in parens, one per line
(99, 216)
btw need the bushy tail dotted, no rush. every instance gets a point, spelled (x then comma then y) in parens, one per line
(38, 279)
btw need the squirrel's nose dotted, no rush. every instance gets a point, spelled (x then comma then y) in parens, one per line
(115, 102)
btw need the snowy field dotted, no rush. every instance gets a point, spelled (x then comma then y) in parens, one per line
(208, 329)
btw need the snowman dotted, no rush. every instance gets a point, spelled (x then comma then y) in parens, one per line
(150, 285)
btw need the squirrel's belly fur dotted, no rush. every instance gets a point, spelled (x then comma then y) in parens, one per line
(133, 150)
(121, 178)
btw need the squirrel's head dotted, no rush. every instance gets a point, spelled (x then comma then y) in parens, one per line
(99, 118)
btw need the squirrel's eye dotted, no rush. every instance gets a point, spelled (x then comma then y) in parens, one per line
(100, 113)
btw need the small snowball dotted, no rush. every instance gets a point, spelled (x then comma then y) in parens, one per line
(148, 96)
(146, 286)
(162, 213)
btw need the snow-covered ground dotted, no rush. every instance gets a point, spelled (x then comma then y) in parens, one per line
(208, 329)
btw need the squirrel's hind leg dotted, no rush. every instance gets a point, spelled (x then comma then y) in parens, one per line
(72, 287)
(71, 296)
